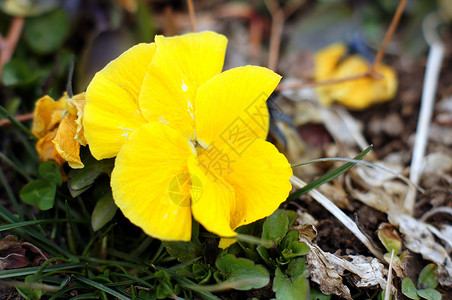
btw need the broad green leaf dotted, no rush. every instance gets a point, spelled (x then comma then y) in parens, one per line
(428, 278)
(39, 193)
(295, 249)
(275, 226)
(104, 211)
(46, 33)
(183, 251)
(50, 172)
(316, 294)
(408, 288)
(243, 271)
(30, 293)
(165, 288)
(287, 288)
(429, 294)
(17, 72)
(263, 253)
(81, 179)
(288, 239)
(297, 267)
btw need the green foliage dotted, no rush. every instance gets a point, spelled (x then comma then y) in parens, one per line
(291, 287)
(103, 212)
(46, 33)
(427, 282)
(242, 271)
(41, 192)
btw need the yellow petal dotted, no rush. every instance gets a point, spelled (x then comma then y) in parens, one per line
(226, 242)
(327, 59)
(76, 107)
(211, 200)
(112, 111)
(260, 177)
(150, 182)
(180, 66)
(47, 115)
(231, 106)
(65, 143)
(46, 149)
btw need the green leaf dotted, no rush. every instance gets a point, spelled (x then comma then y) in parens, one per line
(327, 177)
(263, 253)
(50, 172)
(104, 211)
(408, 288)
(276, 226)
(81, 179)
(429, 294)
(243, 271)
(39, 193)
(101, 287)
(316, 294)
(31, 293)
(183, 251)
(295, 249)
(297, 267)
(288, 239)
(428, 278)
(17, 72)
(46, 33)
(290, 288)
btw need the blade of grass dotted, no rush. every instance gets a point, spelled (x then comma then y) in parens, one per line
(6, 274)
(5, 114)
(14, 166)
(39, 239)
(101, 287)
(367, 164)
(327, 177)
(11, 226)
(10, 193)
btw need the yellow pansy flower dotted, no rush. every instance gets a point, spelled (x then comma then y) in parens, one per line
(189, 140)
(58, 126)
(332, 63)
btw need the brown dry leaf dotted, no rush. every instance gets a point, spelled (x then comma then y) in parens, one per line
(8, 242)
(13, 261)
(14, 254)
(419, 239)
(328, 269)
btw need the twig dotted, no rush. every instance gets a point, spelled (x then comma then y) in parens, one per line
(5, 113)
(340, 215)
(191, 12)
(372, 70)
(388, 36)
(20, 118)
(279, 15)
(8, 45)
(432, 70)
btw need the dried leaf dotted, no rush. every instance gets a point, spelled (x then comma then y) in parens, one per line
(419, 239)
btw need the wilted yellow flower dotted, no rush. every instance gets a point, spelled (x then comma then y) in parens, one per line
(189, 140)
(58, 126)
(331, 63)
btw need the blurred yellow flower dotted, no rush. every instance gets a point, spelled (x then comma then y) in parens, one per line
(332, 63)
(189, 140)
(58, 126)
